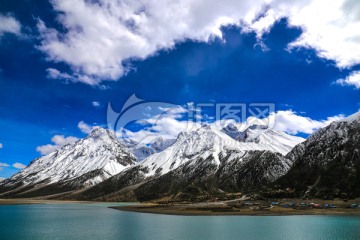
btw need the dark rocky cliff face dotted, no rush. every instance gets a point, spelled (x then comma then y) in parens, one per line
(198, 180)
(257, 169)
(328, 163)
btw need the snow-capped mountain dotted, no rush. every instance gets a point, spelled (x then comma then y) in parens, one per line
(160, 144)
(142, 151)
(198, 156)
(328, 162)
(207, 140)
(212, 161)
(207, 159)
(203, 178)
(232, 131)
(92, 159)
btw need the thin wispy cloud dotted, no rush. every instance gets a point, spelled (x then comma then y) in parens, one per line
(8, 24)
(96, 104)
(19, 165)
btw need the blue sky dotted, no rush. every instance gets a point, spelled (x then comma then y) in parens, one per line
(58, 68)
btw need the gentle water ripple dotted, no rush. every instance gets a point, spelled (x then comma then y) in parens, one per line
(96, 221)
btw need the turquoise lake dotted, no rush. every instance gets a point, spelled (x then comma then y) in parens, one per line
(96, 221)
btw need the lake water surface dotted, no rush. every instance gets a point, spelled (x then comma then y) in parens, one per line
(96, 221)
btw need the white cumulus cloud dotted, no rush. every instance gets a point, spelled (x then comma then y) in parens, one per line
(85, 128)
(353, 80)
(102, 35)
(167, 124)
(1, 146)
(288, 121)
(19, 165)
(330, 28)
(59, 141)
(9, 24)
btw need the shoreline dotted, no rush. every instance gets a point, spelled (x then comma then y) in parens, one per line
(221, 210)
(199, 209)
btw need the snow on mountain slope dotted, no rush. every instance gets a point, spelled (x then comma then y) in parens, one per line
(142, 151)
(205, 157)
(277, 140)
(351, 118)
(209, 141)
(232, 131)
(160, 144)
(99, 151)
(280, 141)
(203, 179)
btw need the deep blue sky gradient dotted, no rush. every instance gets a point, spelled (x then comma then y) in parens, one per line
(33, 108)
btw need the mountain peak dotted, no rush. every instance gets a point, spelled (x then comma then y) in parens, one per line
(142, 150)
(205, 126)
(257, 127)
(158, 139)
(182, 136)
(100, 151)
(263, 135)
(100, 132)
(231, 127)
(159, 144)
